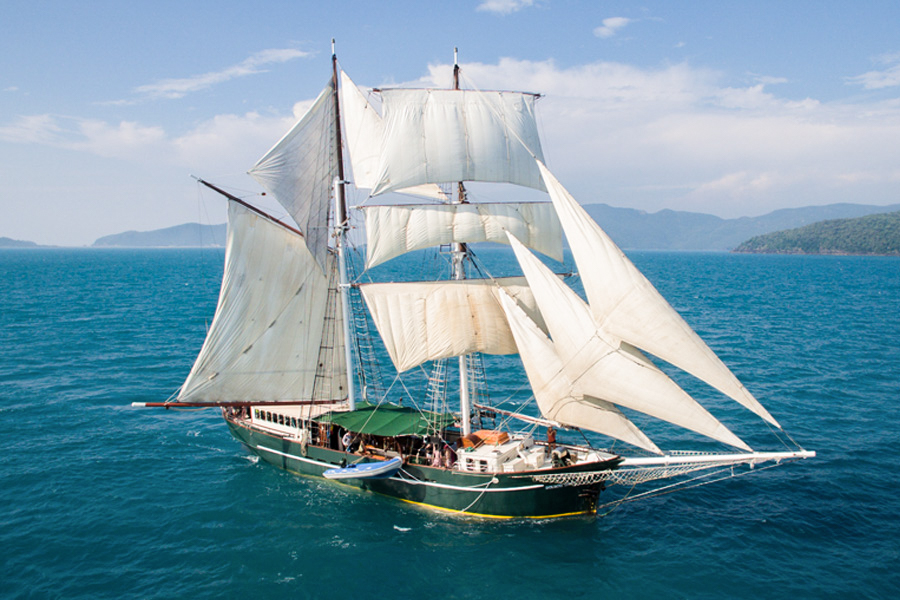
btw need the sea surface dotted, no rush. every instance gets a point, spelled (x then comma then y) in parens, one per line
(102, 500)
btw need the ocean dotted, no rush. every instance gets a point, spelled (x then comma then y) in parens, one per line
(102, 500)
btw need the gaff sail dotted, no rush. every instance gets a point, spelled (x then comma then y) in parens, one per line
(265, 339)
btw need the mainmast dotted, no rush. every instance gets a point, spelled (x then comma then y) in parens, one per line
(340, 232)
(460, 255)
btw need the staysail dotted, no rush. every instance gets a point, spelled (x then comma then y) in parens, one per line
(626, 305)
(265, 340)
(555, 393)
(300, 170)
(429, 320)
(603, 368)
(438, 136)
(395, 230)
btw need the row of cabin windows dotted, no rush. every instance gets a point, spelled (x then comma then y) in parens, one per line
(265, 415)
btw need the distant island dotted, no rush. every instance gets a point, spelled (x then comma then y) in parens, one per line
(189, 235)
(679, 230)
(6, 242)
(870, 235)
(630, 228)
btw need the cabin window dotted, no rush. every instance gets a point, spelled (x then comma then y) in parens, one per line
(482, 465)
(268, 416)
(256, 413)
(281, 419)
(293, 421)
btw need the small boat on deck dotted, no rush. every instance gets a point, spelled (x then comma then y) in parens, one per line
(367, 470)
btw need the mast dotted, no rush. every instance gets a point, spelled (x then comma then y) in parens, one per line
(340, 232)
(459, 257)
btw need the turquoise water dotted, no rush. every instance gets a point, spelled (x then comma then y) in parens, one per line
(100, 500)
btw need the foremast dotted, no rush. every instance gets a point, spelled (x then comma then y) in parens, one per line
(341, 225)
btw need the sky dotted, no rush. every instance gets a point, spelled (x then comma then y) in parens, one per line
(728, 108)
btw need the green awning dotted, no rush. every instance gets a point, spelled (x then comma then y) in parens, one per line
(389, 420)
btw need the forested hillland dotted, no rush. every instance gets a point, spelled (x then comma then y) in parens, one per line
(872, 235)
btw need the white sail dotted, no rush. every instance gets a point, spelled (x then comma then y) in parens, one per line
(265, 340)
(625, 304)
(395, 230)
(300, 170)
(601, 367)
(438, 136)
(364, 131)
(555, 393)
(422, 320)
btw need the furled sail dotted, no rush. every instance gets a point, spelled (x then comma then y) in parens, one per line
(428, 320)
(626, 305)
(395, 230)
(603, 368)
(555, 393)
(265, 340)
(300, 170)
(363, 131)
(438, 136)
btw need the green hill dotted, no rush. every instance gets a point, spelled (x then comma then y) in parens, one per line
(872, 234)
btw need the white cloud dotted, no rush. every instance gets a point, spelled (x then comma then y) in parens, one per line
(86, 135)
(177, 88)
(504, 7)
(677, 137)
(611, 26)
(669, 137)
(875, 80)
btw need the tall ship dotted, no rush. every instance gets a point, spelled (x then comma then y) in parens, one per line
(292, 354)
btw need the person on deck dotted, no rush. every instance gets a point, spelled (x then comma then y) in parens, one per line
(449, 456)
(435, 455)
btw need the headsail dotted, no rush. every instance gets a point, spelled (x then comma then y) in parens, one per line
(437, 136)
(395, 230)
(422, 320)
(626, 305)
(602, 368)
(300, 170)
(265, 340)
(555, 393)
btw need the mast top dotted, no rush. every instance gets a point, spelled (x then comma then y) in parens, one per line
(333, 53)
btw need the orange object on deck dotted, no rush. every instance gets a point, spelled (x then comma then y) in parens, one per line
(484, 436)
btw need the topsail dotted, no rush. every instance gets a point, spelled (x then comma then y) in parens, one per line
(439, 136)
(301, 180)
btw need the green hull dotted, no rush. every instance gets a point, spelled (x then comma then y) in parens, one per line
(498, 495)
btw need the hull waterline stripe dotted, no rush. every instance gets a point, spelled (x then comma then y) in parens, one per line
(295, 457)
(409, 481)
(484, 516)
(480, 488)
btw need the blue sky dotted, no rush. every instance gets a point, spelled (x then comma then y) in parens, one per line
(729, 108)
